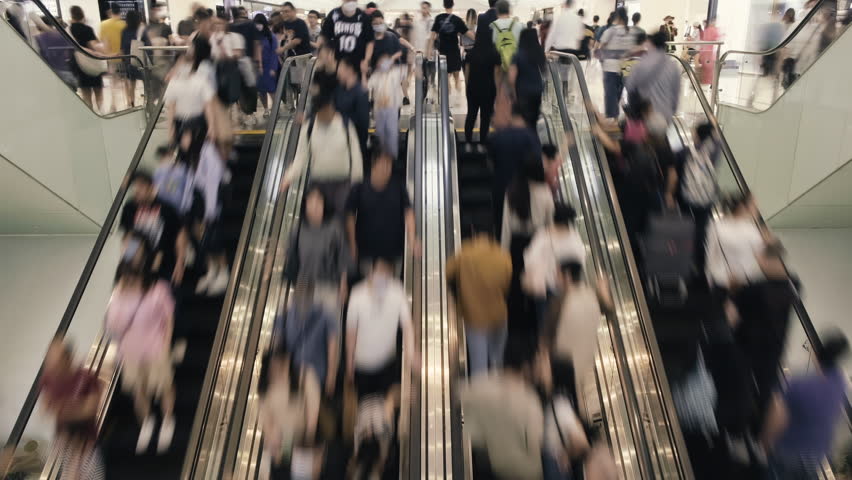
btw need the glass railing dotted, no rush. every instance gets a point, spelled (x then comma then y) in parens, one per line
(627, 341)
(803, 341)
(754, 80)
(108, 83)
(82, 322)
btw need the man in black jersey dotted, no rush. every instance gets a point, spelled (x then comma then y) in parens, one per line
(349, 31)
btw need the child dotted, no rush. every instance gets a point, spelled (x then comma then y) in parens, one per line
(387, 100)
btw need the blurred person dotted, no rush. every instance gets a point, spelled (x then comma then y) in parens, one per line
(599, 463)
(52, 47)
(510, 448)
(526, 76)
(319, 254)
(379, 215)
(85, 36)
(636, 18)
(656, 78)
(587, 43)
(557, 242)
(552, 161)
(480, 274)
(314, 29)
(615, 43)
(481, 88)
(71, 395)
(329, 148)
(378, 311)
(190, 100)
(387, 42)
(596, 23)
(567, 31)
(707, 53)
(544, 31)
(243, 25)
(404, 29)
(805, 418)
(734, 244)
(764, 310)
(158, 32)
(299, 33)
(572, 320)
(387, 100)
(505, 33)
(422, 28)
(353, 102)
(374, 434)
(350, 32)
(693, 184)
(468, 41)
(159, 224)
(267, 78)
(446, 30)
(251, 63)
(370, 8)
(132, 37)
(289, 410)
(111, 32)
(670, 31)
(140, 319)
(565, 439)
(510, 143)
(309, 333)
(226, 49)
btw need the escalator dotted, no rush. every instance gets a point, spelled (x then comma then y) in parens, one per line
(205, 323)
(798, 173)
(668, 332)
(625, 400)
(241, 430)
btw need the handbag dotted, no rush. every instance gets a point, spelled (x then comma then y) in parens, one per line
(93, 67)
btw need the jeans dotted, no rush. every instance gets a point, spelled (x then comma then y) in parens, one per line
(485, 348)
(613, 84)
(387, 129)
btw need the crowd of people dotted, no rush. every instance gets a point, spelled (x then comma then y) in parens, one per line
(329, 386)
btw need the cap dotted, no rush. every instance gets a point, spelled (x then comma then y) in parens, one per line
(668, 17)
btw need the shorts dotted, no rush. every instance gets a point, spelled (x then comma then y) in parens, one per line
(154, 376)
(379, 381)
(454, 61)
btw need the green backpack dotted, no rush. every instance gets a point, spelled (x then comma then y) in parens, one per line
(506, 44)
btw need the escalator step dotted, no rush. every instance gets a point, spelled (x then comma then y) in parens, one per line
(469, 197)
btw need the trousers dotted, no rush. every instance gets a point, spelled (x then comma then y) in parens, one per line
(613, 85)
(387, 129)
(485, 348)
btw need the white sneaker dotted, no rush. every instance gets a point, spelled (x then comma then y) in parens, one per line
(167, 431)
(204, 282)
(220, 283)
(481, 148)
(145, 435)
(468, 148)
(179, 351)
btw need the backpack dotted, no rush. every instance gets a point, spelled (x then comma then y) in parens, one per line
(699, 186)
(506, 44)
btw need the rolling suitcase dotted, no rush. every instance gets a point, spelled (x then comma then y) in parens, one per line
(667, 250)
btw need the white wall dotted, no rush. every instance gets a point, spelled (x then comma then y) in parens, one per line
(800, 140)
(53, 136)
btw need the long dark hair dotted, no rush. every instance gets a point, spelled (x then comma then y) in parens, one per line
(621, 14)
(261, 19)
(133, 20)
(145, 271)
(531, 49)
(518, 195)
(471, 17)
(200, 51)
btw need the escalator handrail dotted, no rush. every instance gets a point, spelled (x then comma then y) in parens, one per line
(798, 304)
(85, 276)
(54, 22)
(789, 39)
(632, 402)
(217, 350)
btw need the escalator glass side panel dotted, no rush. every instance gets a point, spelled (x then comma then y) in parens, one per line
(657, 417)
(128, 80)
(755, 79)
(210, 434)
(803, 342)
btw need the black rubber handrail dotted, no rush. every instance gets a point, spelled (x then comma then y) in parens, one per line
(217, 350)
(798, 305)
(632, 271)
(805, 21)
(82, 283)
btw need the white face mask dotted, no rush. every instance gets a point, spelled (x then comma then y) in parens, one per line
(349, 8)
(380, 28)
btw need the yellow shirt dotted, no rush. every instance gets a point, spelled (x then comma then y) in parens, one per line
(482, 272)
(111, 29)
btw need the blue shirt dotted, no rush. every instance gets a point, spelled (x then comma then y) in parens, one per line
(306, 337)
(815, 404)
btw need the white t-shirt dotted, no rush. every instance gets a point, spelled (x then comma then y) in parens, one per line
(547, 249)
(376, 317)
(190, 91)
(541, 214)
(616, 42)
(225, 44)
(576, 334)
(733, 247)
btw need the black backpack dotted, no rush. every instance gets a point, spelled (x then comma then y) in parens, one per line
(229, 82)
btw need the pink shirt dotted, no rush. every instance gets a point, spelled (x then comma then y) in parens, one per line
(141, 323)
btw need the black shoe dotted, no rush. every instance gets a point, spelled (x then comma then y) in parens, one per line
(406, 101)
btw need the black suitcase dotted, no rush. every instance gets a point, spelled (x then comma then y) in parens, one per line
(667, 249)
